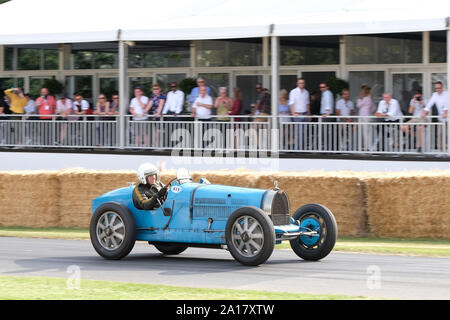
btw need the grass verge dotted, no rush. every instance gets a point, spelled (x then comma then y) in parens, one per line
(417, 247)
(45, 288)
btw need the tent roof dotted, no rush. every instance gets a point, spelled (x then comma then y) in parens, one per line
(68, 21)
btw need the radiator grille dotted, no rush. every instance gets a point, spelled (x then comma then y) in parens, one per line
(280, 209)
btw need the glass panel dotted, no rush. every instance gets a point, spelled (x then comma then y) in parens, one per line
(83, 60)
(145, 82)
(288, 82)
(215, 81)
(438, 47)
(165, 79)
(83, 85)
(217, 53)
(6, 83)
(442, 77)
(404, 86)
(313, 79)
(309, 50)
(374, 79)
(28, 59)
(8, 58)
(51, 59)
(109, 87)
(36, 84)
(384, 49)
(159, 54)
(247, 85)
(105, 60)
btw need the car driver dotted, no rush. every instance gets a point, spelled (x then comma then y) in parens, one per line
(150, 193)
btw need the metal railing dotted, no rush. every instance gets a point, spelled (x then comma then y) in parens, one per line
(332, 134)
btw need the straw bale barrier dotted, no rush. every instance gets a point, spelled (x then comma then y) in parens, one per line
(29, 198)
(409, 204)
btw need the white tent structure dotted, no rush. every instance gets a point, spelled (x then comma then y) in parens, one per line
(66, 21)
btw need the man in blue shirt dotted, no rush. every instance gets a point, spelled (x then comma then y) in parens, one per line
(195, 91)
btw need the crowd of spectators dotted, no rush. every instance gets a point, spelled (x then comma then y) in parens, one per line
(295, 106)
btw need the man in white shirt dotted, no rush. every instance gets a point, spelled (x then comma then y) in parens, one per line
(327, 101)
(389, 109)
(174, 101)
(80, 106)
(440, 99)
(201, 109)
(299, 100)
(344, 106)
(139, 108)
(299, 106)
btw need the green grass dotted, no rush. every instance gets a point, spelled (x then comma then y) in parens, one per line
(418, 247)
(44, 288)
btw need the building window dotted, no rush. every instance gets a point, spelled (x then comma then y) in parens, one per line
(165, 79)
(404, 87)
(215, 81)
(223, 53)
(384, 49)
(309, 50)
(374, 79)
(31, 59)
(159, 54)
(94, 60)
(438, 47)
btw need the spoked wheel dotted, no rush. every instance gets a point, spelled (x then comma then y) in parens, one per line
(319, 220)
(112, 231)
(250, 236)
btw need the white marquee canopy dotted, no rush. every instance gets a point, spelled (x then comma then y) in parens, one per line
(66, 21)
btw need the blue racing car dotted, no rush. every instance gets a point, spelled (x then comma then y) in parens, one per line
(247, 222)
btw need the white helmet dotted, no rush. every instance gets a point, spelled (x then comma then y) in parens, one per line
(145, 170)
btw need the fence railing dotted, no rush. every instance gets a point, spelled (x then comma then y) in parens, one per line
(332, 134)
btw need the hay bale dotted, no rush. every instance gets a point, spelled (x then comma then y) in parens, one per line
(409, 204)
(342, 193)
(29, 198)
(79, 186)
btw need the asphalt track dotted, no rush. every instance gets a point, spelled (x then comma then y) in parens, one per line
(385, 276)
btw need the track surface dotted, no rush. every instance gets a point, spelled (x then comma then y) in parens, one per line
(340, 273)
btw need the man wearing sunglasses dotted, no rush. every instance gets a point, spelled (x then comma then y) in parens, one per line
(174, 102)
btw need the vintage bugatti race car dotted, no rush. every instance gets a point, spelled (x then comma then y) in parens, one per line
(247, 222)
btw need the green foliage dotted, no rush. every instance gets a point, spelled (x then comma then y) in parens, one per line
(54, 86)
(187, 85)
(336, 85)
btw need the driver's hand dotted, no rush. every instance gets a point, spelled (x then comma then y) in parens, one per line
(163, 191)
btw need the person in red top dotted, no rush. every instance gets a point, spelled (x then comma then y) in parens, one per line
(45, 104)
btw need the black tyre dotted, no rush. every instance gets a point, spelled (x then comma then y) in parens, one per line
(113, 231)
(315, 217)
(170, 249)
(250, 236)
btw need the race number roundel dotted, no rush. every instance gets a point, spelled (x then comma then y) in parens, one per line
(176, 189)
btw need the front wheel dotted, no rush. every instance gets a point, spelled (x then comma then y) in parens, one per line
(113, 231)
(314, 217)
(250, 236)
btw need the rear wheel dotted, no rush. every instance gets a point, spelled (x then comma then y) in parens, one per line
(112, 231)
(250, 236)
(314, 217)
(170, 249)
